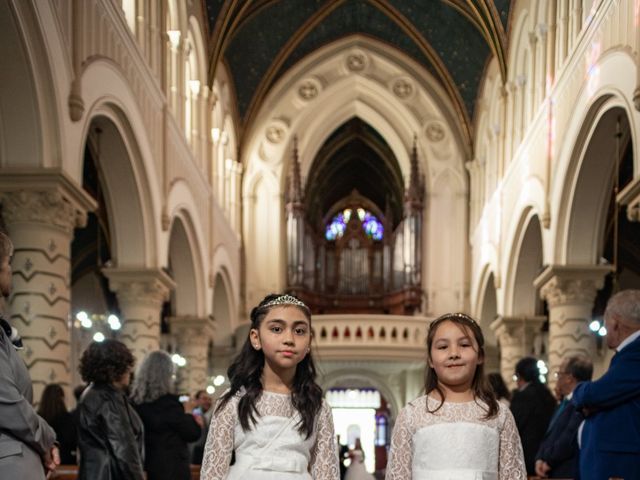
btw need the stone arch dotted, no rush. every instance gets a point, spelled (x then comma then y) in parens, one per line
(366, 377)
(583, 192)
(133, 236)
(131, 193)
(339, 98)
(523, 266)
(186, 262)
(589, 185)
(223, 310)
(487, 307)
(30, 129)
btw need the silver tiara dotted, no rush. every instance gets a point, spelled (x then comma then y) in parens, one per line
(285, 300)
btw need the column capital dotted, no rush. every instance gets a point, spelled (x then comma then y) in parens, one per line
(513, 330)
(142, 286)
(192, 328)
(571, 284)
(44, 196)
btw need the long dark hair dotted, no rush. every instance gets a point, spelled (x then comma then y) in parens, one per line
(52, 403)
(481, 388)
(246, 372)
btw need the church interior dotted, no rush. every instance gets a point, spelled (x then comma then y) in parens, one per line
(165, 164)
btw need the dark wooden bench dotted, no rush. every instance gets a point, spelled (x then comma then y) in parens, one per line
(70, 472)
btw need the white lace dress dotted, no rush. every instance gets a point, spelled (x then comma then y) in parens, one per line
(454, 443)
(273, 449)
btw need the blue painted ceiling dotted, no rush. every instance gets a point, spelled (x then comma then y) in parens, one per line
(260, 40)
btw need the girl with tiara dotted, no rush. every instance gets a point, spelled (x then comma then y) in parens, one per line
(457, 431)
(273, 416)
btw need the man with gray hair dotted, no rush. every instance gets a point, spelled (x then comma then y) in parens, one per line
(27, 447)
(557, 456)
(609, 438)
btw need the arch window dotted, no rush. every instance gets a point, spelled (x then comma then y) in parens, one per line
(370, 224)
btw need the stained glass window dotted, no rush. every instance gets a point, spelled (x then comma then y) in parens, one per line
(371, 225)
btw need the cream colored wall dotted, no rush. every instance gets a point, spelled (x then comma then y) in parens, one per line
(84, 66)
(581, 60)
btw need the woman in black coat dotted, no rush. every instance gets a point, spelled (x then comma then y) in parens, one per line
(168, 425)
(53, 409)
(110, 434)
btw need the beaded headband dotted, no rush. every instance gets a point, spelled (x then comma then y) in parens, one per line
(449, 316)
(285, 300)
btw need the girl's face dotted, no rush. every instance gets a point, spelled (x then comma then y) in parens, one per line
(284, 335)
(454, 355)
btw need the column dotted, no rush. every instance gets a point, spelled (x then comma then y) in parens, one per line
(570, 292)
(516, 335)
(541, 82)
(193, 335)
(530, 93)
(41, 212)
(140, 293)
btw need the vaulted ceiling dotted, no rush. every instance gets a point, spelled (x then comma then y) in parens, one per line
(260, 40)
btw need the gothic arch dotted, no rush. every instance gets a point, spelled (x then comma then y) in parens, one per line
(368, 377)
(186, 258)
(524, 265)
(30, 130)
(131, 192)
(486, 304)
(582, 194)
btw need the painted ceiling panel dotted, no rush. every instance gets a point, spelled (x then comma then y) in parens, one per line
(254, 47)
(435, 33)
(458, 43)
(361, 17)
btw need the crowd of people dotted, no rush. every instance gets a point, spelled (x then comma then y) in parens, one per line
(273, 423)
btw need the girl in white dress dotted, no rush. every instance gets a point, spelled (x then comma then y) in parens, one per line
(457, 431)
(273, 415)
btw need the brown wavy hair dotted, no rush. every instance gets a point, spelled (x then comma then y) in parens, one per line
(481, 388)
(246, 372)
(105, 362)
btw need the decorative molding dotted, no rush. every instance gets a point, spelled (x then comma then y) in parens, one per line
(309, 89)
(357, 61)
(149, 287)
(571, 284)
(403, 88)
(435, 132)
(43, 196)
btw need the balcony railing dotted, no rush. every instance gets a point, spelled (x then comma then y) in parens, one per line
(362, 337)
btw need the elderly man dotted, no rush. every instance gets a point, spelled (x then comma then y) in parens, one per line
(557, 456)
(610, 436)
(26, 441)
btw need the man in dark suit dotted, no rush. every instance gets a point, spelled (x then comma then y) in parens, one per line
(27, 448)
(610, 436)
(558, 454)
(532, 406)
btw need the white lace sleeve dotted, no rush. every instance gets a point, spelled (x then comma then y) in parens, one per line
(324, 454)
(219, 446)
(511, 457)
(400, 455)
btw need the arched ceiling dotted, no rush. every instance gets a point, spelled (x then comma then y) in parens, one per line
(355, 156)
(260, 40)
